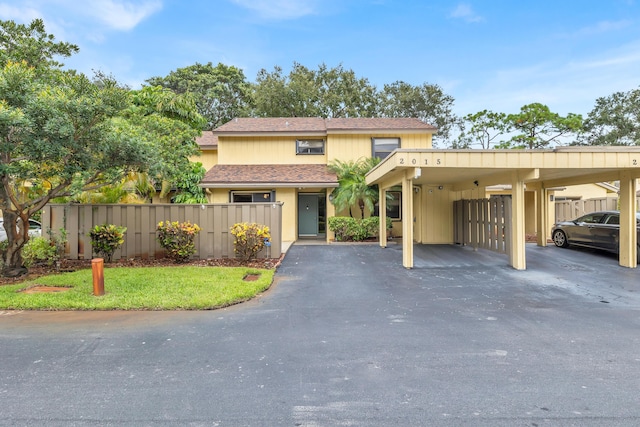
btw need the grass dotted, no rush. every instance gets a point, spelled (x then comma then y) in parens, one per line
(141, 288)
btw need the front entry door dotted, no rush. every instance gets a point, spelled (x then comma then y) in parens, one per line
(307, 215)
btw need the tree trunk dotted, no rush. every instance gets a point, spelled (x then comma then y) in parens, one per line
(17, 237)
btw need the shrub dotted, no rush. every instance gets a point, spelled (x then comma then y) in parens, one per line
(178, 239)
(106, 238)
(250, 238)
(351, 229)
(40, 250)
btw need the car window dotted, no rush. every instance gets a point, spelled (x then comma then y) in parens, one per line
(613, 220)
(593, 218)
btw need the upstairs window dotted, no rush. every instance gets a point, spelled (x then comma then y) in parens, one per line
(310, 146)
(382, 147)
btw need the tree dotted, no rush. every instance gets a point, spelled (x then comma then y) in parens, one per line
(426, 102)
(221, 93)
(485, 127)
(343, 94)
(188, 188)
(325, 92)
(352, 188)
(170, 123)
(31, 44)
(61, 137)
(62, 133)
(538, 126)
(615, 120)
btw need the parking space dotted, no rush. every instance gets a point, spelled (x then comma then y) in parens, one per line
(588, 273)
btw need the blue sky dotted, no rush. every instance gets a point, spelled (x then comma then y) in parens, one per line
(497, 55)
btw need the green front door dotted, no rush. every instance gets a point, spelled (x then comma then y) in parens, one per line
(307, 215)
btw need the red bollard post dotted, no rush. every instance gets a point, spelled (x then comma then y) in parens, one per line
(97, 267)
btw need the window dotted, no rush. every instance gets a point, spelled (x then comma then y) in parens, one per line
(394, 205)
(613, 220)
(310, 146)
(382, 147)
(594, 218)
(252, 197)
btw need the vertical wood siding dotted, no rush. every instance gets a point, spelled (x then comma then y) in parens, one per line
(483, 223)
(566, 210)
(213, 241)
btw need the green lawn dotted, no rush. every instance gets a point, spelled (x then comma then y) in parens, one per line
(141, 288)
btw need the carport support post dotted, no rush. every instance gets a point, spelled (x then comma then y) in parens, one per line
(407, 219)
(517, 238)
(542, 215)
(628, 234)
(382, 215)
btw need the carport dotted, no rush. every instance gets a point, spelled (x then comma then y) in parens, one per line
(455, 175)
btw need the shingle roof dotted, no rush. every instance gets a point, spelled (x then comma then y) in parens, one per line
(318, 125)
(207, 140)
(273, 124)
(229, 176)
(363, 123)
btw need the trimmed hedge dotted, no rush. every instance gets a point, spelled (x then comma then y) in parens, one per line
(348, 229)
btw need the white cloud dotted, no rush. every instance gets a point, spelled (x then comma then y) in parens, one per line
(122, 15)
(465, 12)
(279, 9)
(18, 14)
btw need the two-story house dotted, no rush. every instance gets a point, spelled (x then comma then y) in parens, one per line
(285, 160)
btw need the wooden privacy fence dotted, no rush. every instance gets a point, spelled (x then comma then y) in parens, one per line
(483, 223)
(567, 210)
(215, 220)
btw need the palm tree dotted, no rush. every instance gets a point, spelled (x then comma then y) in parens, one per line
(353, 189)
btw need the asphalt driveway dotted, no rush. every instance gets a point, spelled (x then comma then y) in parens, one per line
(347, 336)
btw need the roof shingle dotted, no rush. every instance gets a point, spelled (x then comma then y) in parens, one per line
(282, 175)
(207, 140)
(318, 125)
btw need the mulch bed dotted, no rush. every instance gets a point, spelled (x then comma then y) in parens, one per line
(73, 265)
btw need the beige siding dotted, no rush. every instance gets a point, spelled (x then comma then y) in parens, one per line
(354, 147)
(289, 199)
(437, 215)
(208, 158)
(585, 191)
(264, 151)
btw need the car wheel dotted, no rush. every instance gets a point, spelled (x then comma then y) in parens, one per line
(560, 239)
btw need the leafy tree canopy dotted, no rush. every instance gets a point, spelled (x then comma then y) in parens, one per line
(426, 102)
(220, 93)
(325, 92)
(62, 133)
(536, 126)
(31, 44)
(615, 120)
(482, 128)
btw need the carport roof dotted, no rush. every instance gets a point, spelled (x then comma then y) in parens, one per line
(465, 169)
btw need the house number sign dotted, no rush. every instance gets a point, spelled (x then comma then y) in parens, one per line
(438, 162)
(414, 162)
